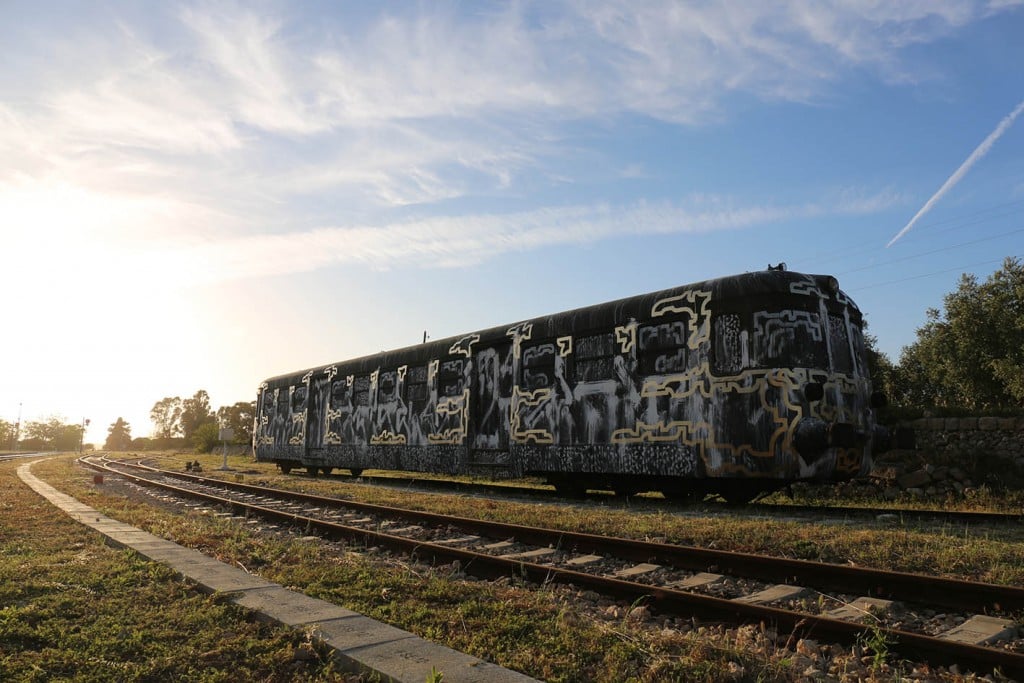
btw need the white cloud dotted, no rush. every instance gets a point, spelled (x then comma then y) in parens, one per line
(465, 240)
(238, 117)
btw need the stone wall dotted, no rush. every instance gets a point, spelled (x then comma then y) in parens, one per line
(950, 440)
(954, 452)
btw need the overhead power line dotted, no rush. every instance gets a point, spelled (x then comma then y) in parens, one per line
(937, 272)
(933, 251)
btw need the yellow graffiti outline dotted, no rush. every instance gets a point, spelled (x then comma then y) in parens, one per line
(699, 314)
(332, 437)
(564, 346)
(519, 333)
(468, 341)
(453, 405)
(699, 379)
(522, 399)
(386, 438)
(299, 438)
(625, 335)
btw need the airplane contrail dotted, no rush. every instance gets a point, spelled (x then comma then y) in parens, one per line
(980, 151)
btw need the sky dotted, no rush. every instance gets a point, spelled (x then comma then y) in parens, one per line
(204, 195)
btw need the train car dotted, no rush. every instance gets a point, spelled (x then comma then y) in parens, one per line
(735, 386)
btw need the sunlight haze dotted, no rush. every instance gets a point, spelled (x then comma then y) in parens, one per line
(204, 195)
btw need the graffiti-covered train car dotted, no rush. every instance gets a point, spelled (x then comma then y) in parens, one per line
(736, 386)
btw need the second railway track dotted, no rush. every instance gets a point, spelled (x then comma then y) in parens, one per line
(794, 509)
(805, 598)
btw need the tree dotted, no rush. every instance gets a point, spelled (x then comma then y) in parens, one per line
(141, 443)
(204, 439)
(238, 417)
(53, 434)
(880, 367)
(971, 355)
(7, 435)
(195, 412)
(119, 436)
(166, 417)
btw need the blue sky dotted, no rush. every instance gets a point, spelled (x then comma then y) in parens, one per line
(202, 195)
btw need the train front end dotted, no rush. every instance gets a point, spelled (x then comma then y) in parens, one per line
(794, 398)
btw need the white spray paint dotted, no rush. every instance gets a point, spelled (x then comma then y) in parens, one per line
(980, 151)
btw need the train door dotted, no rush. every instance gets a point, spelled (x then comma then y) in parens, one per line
(319, 389)
(491, 400)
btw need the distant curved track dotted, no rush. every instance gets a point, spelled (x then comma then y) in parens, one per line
(15, 456)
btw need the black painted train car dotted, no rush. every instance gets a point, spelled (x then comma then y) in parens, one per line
(734, 386)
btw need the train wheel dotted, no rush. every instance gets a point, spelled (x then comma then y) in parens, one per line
(286, 468)
(356, 471)
(312, 470)
(326, 471)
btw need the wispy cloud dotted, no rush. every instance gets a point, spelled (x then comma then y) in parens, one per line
(246, 121)
(975, 156)
(465, 240)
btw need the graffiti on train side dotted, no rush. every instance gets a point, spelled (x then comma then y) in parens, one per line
(680, 384)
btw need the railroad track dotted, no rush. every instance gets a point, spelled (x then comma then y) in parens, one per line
(831, 603)
(15, 456)
(970, 518)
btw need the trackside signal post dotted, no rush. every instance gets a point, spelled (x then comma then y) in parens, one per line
(225, 434)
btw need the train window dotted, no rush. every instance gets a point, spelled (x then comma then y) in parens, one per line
(839, 340)
(298, 399)
(663, 347)
(788, 338)
(450, 380)
(729, 344)
(768, 339)
(594, 357)
(339, 392)
(387, 386)
(268, 402)
(859, 351)
(417, 389)
(539, 366)
(361, 393)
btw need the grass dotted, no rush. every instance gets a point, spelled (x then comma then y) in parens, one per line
(535, 631)
(72, 608)
(992, 553)
(553, 633)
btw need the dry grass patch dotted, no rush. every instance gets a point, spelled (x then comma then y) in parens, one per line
(72, 608)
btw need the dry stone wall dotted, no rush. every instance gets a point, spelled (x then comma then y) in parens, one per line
(956, 453)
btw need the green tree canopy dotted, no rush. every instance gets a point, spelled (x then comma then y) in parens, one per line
(195, 412)
(166, 417)
(238, 417)
(971, 354)
(119, 436)
(204, 439)
(54, 434)
(7, 434)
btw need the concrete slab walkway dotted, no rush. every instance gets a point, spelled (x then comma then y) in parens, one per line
(360, 644)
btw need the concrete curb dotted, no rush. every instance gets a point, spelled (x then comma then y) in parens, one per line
(360, 644)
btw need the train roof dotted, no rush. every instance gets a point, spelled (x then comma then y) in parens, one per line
(744, 285)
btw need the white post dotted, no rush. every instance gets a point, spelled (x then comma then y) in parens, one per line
(225, 434)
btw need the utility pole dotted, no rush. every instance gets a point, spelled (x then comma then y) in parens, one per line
(81, 435)
(17, 431)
